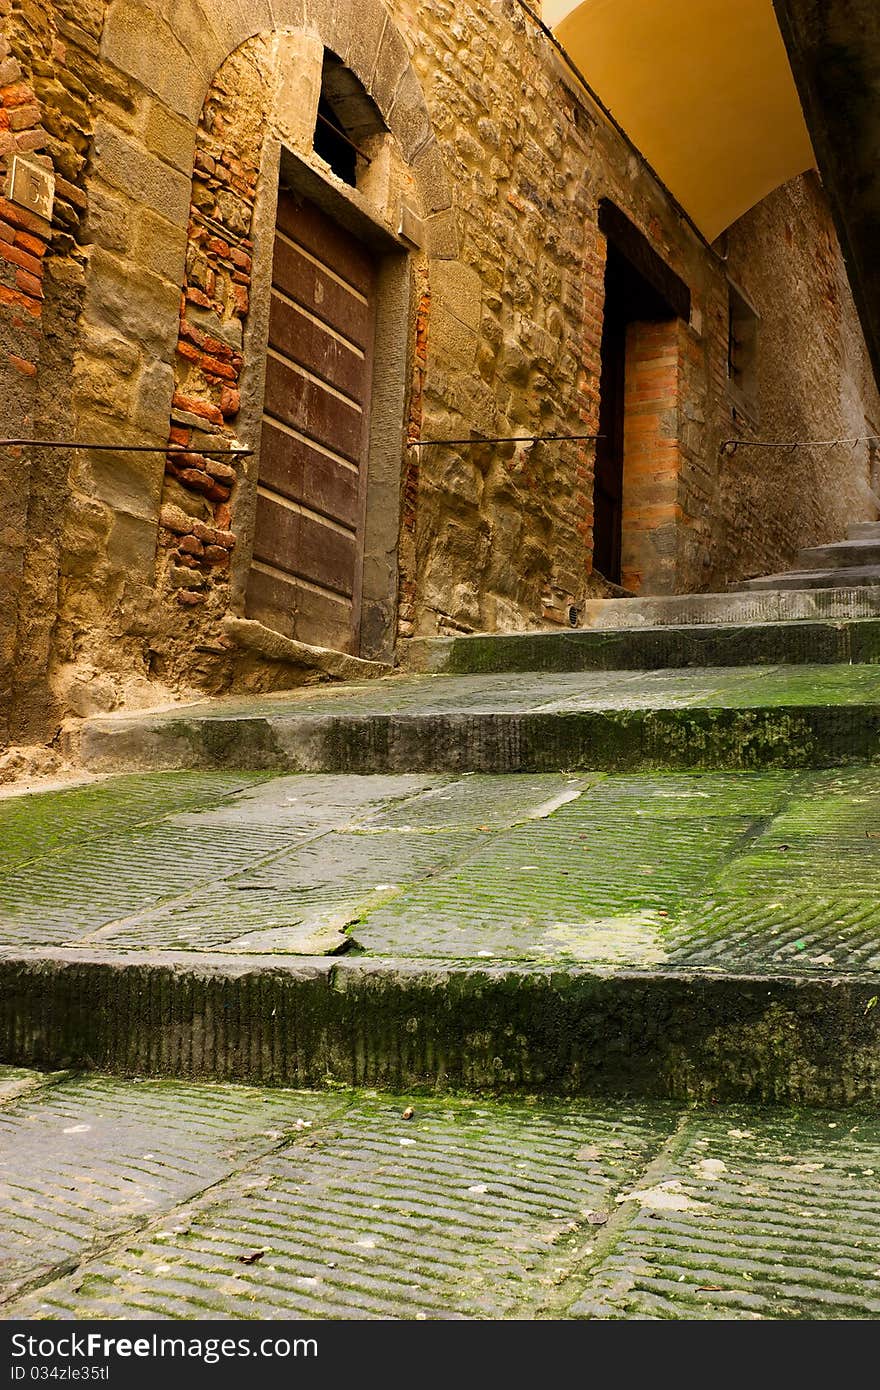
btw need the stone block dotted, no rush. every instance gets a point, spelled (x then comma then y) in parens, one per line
(441, 235)
(108, 220)
(235, 21)
(453, 341)
(300, 62)
(131, 545)
(160, 246)
(143, 47)
(106, 389)
(138, 305)
(431, 178)
(408, 118)
(123, 355)
(154, 392)
(334, 21)
(125, 482)
(391, 67)
(171, 137)
(297, 14)
(457, 288)
(192, 23)
(139, 174)
(369, 20)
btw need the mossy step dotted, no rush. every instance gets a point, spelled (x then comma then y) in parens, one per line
(652, 648)
(739, 718)
(677, 935)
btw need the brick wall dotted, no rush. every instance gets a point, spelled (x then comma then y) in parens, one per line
(195, 537)
(651, 479)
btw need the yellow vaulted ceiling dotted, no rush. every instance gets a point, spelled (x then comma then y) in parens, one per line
(702, 87)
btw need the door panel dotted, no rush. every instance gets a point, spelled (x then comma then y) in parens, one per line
(308, 538)
(319, 290)
(298, 469)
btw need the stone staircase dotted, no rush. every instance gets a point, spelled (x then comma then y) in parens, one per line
(639, 860)
(630, 872)
(852, 564)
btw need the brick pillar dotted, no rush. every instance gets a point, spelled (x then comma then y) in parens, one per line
(23, 242)
(651, 510)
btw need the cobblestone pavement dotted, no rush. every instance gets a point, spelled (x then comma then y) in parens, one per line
(146, 1199)
(748, 872)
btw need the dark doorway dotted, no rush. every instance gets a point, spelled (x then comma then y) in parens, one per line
(639, 288)
(629, 298)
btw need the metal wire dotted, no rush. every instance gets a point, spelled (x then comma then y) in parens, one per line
(342, 136)
(730, 446)
(236, 451)
(509, 439)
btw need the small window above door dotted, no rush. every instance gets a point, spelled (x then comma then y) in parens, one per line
(348, 120)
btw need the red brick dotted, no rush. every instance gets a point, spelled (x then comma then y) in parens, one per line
(17, 94)
(29, 284)
(22, 258)
(28, 140)
(22, 365)
(32, 306)
(24, 117)
(33, 244)
(212, 367)
(191, 545)
(230, 401)
(220, 471)
(185, 560)
(196, 479)
(212, 535)
(192, 406)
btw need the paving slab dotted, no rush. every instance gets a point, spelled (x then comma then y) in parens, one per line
(682, 933)
(157, 1200)
(746, 717)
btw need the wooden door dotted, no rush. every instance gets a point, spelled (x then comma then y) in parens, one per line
(305, 578)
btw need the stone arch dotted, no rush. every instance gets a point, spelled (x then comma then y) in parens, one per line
(173, 48)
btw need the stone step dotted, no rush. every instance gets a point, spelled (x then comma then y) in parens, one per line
(865, 576)
(864, 531)
(652, 648)
(735, 609)
(747, 717)
(842, 555)
(695, 936)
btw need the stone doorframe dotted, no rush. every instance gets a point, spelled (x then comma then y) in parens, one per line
(166, 53)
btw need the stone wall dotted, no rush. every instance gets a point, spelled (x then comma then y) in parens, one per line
(814, 382)
(163, 125)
